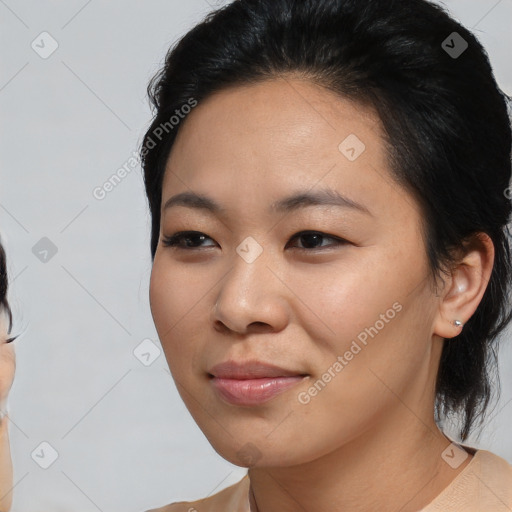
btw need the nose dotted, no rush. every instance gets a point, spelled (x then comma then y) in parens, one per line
(251, 298)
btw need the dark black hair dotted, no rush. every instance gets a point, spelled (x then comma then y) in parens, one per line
(4, 305)
(445, 118)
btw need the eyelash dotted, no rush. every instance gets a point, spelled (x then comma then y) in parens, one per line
(174, 240)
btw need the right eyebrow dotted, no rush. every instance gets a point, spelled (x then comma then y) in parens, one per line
(193, 200)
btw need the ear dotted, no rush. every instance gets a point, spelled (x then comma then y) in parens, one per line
(465, 286)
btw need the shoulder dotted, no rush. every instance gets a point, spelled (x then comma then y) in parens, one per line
(484, 484)
(234, 498)
(495, 470)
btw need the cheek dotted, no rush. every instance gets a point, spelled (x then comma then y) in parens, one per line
(7, 365)
(174, 294)
(369, 314)
(347, 297)
(380, 337)
(178, 301)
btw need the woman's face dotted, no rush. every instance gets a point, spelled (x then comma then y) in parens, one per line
(7, 362)
(346, 313)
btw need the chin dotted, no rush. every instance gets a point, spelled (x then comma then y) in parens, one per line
(256, 453)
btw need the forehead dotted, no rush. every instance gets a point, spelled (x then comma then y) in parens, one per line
(273, 120)
(272, 137)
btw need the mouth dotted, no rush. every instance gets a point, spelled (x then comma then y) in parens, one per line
(252, 383)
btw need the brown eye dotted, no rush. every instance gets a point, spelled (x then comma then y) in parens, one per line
(313, 240)
(186, 240)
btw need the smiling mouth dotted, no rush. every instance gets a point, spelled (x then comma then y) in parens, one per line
(253, 391)
(252, 383)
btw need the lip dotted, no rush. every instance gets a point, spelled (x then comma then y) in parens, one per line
(252, 382)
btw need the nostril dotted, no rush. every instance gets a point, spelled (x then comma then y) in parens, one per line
(260, 327)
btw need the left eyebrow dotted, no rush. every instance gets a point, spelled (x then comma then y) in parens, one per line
(322, 197)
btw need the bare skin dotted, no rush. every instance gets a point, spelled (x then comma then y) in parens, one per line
(7, 366)
(368, 440)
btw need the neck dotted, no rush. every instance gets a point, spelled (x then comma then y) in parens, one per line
(395, 466)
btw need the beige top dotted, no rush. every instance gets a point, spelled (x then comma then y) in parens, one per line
(484, 485)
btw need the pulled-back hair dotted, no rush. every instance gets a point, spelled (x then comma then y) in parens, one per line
(445, 119)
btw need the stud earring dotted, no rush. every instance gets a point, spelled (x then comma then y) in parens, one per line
(457, 323)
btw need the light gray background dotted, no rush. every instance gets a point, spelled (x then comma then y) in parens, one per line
(124, 438)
